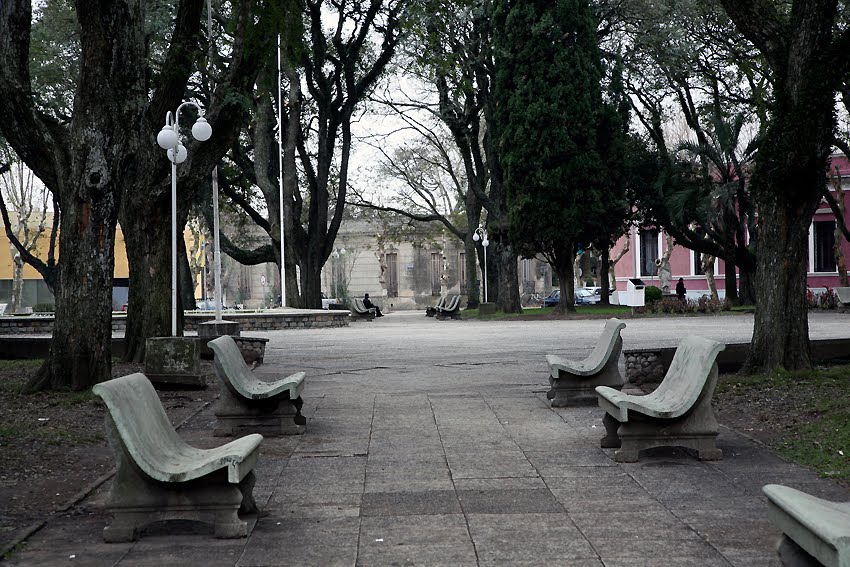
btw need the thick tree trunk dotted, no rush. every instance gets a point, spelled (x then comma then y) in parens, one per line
(731, 280)
(147, 234)
(564, 269)
(311, 283)
(746, 287)
(781, 332)
(707, 261)
(473, 294)
(503, 272)
(108, 111)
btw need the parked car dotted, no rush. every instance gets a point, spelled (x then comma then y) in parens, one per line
(328, 301)
(552, 299)
(582, 296)
(593, 294)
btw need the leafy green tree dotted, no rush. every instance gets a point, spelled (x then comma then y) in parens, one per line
(548, 96)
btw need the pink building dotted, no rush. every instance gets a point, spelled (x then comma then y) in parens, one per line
(647, 244)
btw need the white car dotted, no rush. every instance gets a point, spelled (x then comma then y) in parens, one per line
(327, 301)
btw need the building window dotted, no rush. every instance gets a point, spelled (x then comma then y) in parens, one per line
(392, 274)
(698, 271)
(824, 237)
(461, 271)
(648, 251)
(436, 272)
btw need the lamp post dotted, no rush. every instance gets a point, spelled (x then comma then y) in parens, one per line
(169, 139)
(337, 270)
(481, 234)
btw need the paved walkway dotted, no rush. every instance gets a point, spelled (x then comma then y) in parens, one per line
(432, 443)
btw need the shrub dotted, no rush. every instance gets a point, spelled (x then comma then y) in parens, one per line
(811, 299)
(43, 308)
(652, 294)
(828, 299)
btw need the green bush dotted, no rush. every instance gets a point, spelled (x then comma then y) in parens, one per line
(43, 308)
(652, 294)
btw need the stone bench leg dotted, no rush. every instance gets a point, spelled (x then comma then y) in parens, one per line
(696, 431)
(611, 439)
(793, 555)
(271, 418)
(136, 501)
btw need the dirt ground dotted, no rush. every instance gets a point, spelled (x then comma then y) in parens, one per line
(53, 446)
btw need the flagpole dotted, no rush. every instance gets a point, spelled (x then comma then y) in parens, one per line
(280, 178)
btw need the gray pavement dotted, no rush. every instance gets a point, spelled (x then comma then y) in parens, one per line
(432, 443)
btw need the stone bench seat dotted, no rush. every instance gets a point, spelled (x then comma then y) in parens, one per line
(160, 477)
(431, 311)
(812, 528)
(677, 413)
(360, 311)
(449, 310)
(250, 404)
(574, 382)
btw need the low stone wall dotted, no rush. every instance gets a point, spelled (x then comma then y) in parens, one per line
(651, 364)
(253, 348)
(644, 366)
(268, 321)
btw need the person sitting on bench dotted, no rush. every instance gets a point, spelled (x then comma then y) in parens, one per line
(369, 305)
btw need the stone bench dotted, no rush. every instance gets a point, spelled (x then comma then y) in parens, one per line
(431, 311)
(814, 531)
(574, 382)
(160, 477)
(677, 413)
(249, 404)
(450, 310)
(360, 311)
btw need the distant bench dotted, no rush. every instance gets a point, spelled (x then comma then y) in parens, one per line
(449, 310)
(360, 311)
(160, 477)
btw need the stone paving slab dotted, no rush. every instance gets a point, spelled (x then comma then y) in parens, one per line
(434, 444)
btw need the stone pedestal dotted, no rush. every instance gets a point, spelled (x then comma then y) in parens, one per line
(209, 330)
(174, 362)
(486, 308)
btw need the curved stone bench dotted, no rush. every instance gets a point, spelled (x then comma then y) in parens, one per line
(574, 382)
(160, 477)
(814, 531)
(677, 413)
(450, 310)
(249, 404)
(360, 311)
(431, 311)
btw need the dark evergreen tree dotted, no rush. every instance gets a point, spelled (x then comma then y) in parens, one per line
(548, 105)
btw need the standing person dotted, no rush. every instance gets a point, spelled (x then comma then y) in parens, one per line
(680, 290)
(367, 303)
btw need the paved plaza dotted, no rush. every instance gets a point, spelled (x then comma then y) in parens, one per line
(432, 443)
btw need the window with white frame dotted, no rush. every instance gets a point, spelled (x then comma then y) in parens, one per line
(698, 271)
(823, 233)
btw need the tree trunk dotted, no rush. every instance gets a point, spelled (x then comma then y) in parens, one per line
(604, 282)
(564, 269)
(781, 331)
(503, 272)
(840, 261)
(707, 261)
(146, 234)
(473, 293)
(731, 280)
(16, 301)
(746, 287)
(108, 110)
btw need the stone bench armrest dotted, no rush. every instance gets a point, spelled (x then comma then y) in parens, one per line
(153, 444)
(811, 522)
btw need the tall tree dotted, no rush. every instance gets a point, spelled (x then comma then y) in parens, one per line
(548, 96)
(806, 50)
(85, 163)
